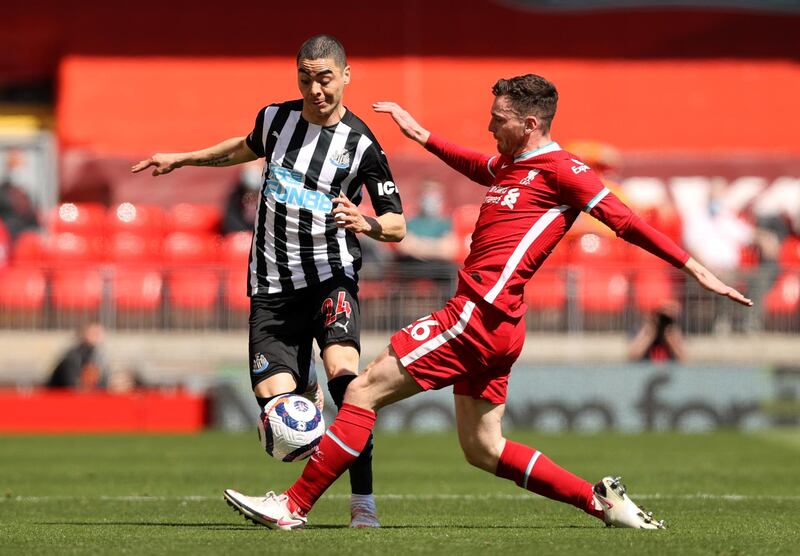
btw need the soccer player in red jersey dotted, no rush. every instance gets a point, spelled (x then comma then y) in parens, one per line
(536, 190)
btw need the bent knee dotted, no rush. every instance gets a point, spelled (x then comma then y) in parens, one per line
(358, 390)
(481, 454)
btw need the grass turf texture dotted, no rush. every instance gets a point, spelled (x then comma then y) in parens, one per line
(162, 494)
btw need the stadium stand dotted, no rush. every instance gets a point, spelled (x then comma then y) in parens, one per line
(140, 219)
(77, 218)
(192, 218)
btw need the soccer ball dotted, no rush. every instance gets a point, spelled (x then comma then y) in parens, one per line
(290, 427)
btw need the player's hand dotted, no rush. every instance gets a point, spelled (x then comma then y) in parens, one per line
(710, 282)
(161, 163)
(407, 124)
(347, 215)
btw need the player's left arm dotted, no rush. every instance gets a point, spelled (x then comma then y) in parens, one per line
(389, 225)
(580, 188)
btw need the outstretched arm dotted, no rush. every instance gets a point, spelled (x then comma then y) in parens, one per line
(586, 192)
(227, 153)
(476, 166)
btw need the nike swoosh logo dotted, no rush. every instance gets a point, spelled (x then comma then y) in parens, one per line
(287, 523)
(504, 165)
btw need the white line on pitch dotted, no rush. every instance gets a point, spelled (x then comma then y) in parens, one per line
(410, 497)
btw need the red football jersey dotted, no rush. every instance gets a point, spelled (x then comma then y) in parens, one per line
(532, 201)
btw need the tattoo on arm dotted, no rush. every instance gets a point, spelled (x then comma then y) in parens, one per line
(219, 160)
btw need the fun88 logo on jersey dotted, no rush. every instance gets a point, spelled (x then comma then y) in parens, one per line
(286, 187)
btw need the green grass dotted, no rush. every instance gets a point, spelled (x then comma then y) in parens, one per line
(162, 494)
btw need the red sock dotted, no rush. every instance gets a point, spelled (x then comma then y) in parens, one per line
(534, 471)
(339, 447)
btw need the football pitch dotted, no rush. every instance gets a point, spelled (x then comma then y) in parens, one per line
(722, 493)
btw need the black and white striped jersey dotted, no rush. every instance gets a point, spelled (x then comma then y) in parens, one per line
(296, 242)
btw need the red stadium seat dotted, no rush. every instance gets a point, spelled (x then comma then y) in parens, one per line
(547, 290)
(197, 219)
(236, 249)
(193, 289)
(593, 250)
(22, 288)
(603, 290)
(78, 218)
(133, 248)
(790, 253)
(651, 288)
(77, 288)
(784, 296)
(136, 288)
(140, 219)
(67, 248)
(29, 249)
(371, 289)
(235, 286)
(180, 249)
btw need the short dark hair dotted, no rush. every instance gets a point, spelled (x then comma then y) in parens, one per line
(530, 95)
(323, 46)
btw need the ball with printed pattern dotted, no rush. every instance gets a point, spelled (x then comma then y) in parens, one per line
(290, 427)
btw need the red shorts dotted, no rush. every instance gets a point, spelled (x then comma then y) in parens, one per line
(466, 344)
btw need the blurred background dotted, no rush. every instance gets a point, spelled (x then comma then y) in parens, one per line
(126, 294)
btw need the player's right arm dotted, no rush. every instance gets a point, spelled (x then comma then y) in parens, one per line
(227, 153)
(476, 166)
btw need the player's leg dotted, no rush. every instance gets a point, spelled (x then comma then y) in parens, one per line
(340, 359)
(417, 359)
(480, 403)
(282, 361)
(383, 382)
(481, 438)
(274, 345)
(337, 328)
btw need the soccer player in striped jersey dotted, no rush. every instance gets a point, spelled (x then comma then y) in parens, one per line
(305, 254)
(535, 191)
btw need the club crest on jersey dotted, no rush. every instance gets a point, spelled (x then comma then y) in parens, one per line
(260, 363)
(340, 159)
(529, 178)
(286, 187)
(580, 167)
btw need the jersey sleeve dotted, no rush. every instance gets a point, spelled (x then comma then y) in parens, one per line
(478, 167)
(580, 188)
(255, 140)
(376, 175)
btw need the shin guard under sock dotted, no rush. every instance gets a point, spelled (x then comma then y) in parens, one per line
(534, 471)
(339, 447)
(361, 469)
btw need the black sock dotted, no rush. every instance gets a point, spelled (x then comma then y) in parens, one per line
(361, 470)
